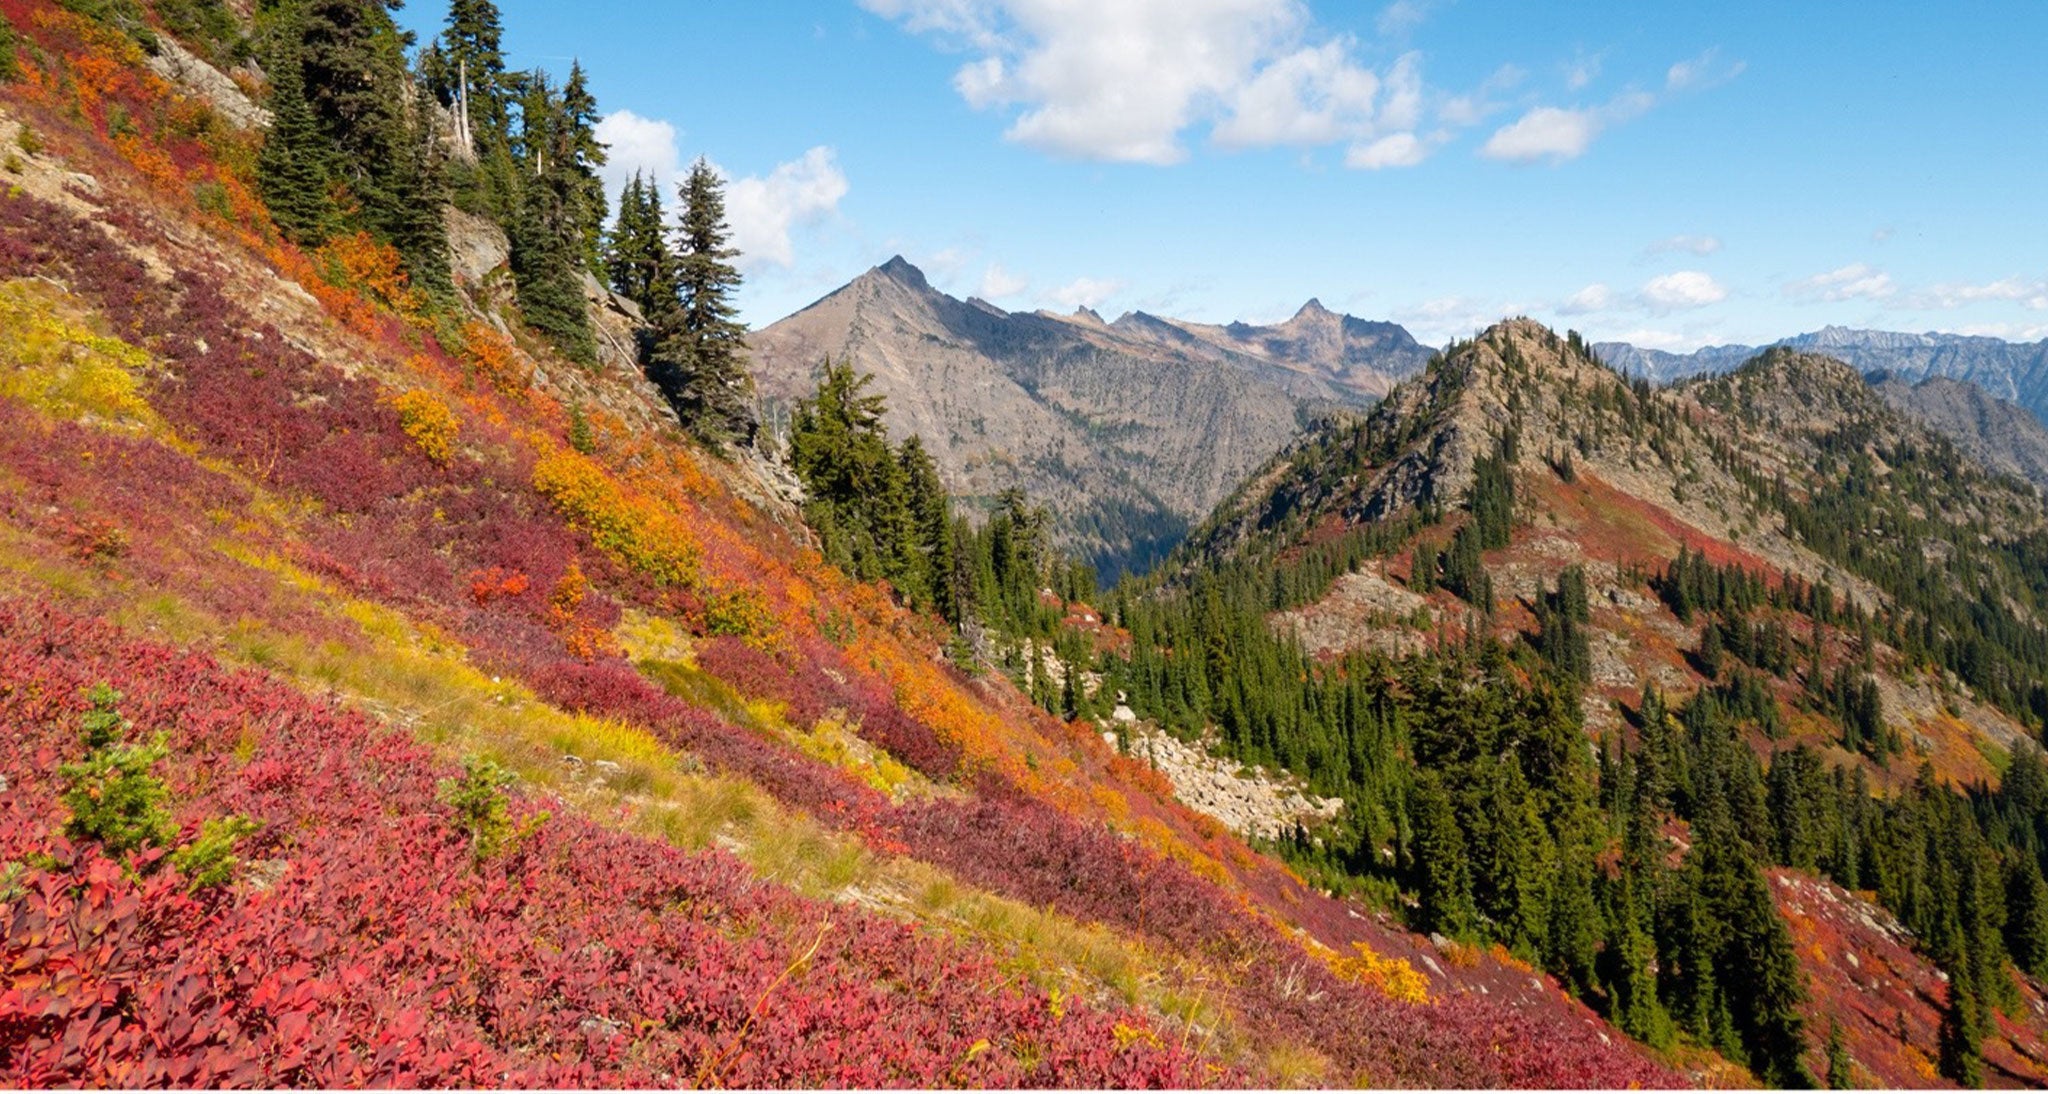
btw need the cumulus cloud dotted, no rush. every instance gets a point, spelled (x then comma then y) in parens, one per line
(1681, 291)
(1086, 292)
(1000, 284)
(637, 145)
(1694, 245)
(1546, 132)
(1127, 82)
(1853, 282)
(1593, 298)
(1397, 150)
(764, 210)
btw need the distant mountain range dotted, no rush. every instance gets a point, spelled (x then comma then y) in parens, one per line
(2009, 370)
(1976, 391)
(1129, 431)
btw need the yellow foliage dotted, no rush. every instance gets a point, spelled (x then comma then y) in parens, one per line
(52, 362)
(429, 422)
(1391, 976)
(1126, 1036)
(631, 529)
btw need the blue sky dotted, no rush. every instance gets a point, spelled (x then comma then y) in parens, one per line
(1674, 175)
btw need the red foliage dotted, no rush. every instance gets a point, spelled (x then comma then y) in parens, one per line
(377, 952)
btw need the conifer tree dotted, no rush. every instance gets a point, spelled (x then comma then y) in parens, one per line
(1442, 873)
(295, 165)
(584, 154)
(353, 76)
(2026, 914)
(547, 233)
(637, 259)
(698, 359)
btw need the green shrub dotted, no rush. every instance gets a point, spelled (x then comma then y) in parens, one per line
(210, 860)
(10, 65)
(482, 809)
(114, 799)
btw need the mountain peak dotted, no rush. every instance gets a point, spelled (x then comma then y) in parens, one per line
(900, 270)
(1312, 310)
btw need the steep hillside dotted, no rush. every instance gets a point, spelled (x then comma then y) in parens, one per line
(396, 701)
(1797, 629)
(1130, 431)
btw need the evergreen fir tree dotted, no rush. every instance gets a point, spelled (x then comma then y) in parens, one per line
(546, 235)
(2026, 914)
(698, 359)
(294, 168)
(1442, 872)
(637, 258)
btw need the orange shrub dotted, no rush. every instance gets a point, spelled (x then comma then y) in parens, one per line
(495, 358)
(360, 262)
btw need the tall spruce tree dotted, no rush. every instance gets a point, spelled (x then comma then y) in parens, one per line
(698, 359)
(583, 155)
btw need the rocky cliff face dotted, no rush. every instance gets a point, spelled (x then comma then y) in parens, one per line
(1128, 430)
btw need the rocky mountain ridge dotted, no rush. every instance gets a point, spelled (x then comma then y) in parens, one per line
(1129, 430)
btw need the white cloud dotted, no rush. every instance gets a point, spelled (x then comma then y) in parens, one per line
(1592, 298)
(1546, 132)
(1000, 284)
(1311, 96)
(1582, 71)
(1853, 282)
(1395, 150)
(1128, 81)
(1402, 16)
(1480, 103)
(640, 145)
(2011, 332)
(1705, 70)
(1086, 292)
(1669, 341)
(1694, 245)
(1681, 291)
(763, 211)
(1558, 134)
(2031, 294)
